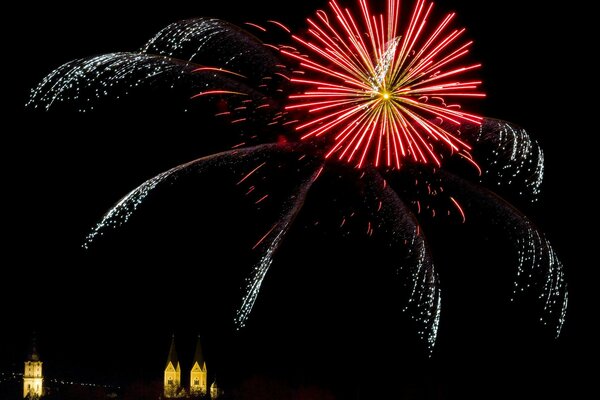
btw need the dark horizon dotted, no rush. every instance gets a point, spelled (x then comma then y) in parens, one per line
(349, 325)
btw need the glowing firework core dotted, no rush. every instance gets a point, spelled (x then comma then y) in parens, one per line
(380, 96)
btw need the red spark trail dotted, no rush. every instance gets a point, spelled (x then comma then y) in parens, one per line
(378, 89)
(218, 70)
(279, 24)
(249, 174)
(460, 209)
(255, 26)
(262, 199)
(215, 92)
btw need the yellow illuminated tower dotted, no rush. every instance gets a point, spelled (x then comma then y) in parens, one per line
(33, 380)
(214, 390)
(172, 382)
(198, 374)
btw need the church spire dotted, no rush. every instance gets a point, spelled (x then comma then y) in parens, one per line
(172, 381)
(33, 379)
(173, 354)
(198, 356)
(198, 373)
(33, 354)
(214, 390)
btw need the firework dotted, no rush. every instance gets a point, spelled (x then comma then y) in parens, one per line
(382, 92)
(377, 91)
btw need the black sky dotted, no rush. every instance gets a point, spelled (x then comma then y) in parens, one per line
(123, 332)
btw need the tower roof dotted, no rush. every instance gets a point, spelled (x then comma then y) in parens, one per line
(198, 356)
(33, 354)
(172, 354)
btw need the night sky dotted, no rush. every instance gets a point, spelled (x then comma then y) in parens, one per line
(107, 315)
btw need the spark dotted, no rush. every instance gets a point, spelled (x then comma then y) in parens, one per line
(318, 174)
(249, 174)
(271, 46)
(218, 70)
(460, 209)
(262, 199)
(262, 239)
(282, 75)
(369, 85)
(279, 24)
(255, 26)
(215, 92)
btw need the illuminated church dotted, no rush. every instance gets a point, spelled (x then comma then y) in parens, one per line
(33, 380)
(198, 384)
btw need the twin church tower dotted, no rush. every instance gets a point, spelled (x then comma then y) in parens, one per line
(198, 376)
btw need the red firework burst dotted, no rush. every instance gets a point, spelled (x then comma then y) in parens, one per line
(381, 95)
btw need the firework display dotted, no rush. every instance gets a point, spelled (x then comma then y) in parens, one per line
(375, 100)
(383, 95)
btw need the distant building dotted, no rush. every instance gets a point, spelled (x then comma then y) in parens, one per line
(172, 381)
(33, 379)
(214, 390)
(198, 376)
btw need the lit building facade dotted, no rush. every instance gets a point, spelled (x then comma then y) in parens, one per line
(199, 387)
(172, 381)
(33, 378)
(198, 374)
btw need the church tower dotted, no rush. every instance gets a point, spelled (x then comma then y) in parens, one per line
(198, 374)
(33, 380)
(214, 390)
(172, 382)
